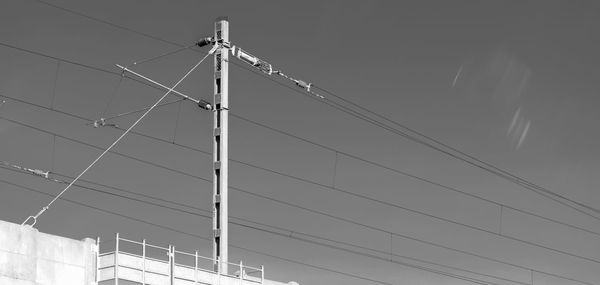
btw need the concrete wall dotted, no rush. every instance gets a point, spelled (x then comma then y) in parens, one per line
(28, 257)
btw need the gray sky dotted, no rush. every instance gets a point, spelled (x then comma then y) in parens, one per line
(514, 83)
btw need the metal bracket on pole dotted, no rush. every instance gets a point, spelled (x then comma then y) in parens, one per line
(200, 102)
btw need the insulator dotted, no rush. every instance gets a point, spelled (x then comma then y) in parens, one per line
(204, 104)
(44, 174)
(247, 57)
(204, 42)
(303, 84)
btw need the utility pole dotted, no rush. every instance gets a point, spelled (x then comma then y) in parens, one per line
(220, 146)
(220, 108)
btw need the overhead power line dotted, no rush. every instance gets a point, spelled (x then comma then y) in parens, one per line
(103, 121)
(561, 199)
(305, 140)
(197, 177)
(198, 236)
(391, 169)
(153, 58)
(90, 67)
(484, 165)
(286, 232)
(262, 125)
(493, 169)
(337, 151)
(439, 272)
(314, 211)
(284, 133)
(45, 208)
(292, 234)
(576, 203)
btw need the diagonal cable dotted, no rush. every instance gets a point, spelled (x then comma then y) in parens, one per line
(502, 173)
(187, 147)
(36, 216)
(307, 238)
(408, 237)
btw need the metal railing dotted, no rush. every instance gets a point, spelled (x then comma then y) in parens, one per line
(174, 264)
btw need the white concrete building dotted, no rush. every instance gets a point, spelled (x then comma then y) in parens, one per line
(28, 257)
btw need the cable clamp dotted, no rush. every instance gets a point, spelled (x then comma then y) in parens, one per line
(100, 123)
(303, 84)
(39, 172)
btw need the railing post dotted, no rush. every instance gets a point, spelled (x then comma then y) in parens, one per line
(97, 278)
(144, 262)
(218, 266)
(196, 268)
(117, 259)
(241, 272)
(171, 264)
(262, 274)
(218, 270)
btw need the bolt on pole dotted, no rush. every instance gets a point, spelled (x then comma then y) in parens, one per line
(220, 145)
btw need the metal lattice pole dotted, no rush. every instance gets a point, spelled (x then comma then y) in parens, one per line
(220, 145)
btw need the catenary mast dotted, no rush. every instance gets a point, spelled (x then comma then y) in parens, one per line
(220, 145)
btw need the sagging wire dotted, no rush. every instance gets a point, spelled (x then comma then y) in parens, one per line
(53, 153)
(177, 121)
(45, 208)
(268, 69)
(149, 59)
(102, 122)
(55, 84)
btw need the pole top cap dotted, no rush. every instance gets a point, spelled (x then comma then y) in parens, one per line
(223, 18)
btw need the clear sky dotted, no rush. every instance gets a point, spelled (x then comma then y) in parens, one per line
(513, 83)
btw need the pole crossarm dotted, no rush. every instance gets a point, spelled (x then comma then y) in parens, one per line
(34, 218)
(201, 103)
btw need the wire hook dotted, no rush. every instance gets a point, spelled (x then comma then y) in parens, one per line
(30, 217)
(34, 217)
